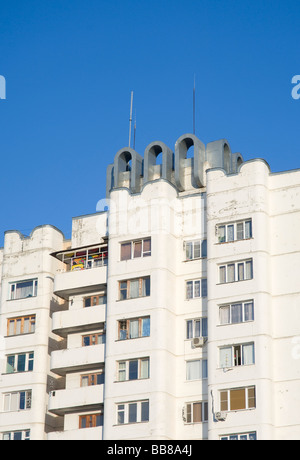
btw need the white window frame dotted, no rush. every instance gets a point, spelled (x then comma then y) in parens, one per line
(236, 355)
(189, 412)
(233, 272)
(194, 328)
(9, 435)
(13, 289)
(200, 373)
(250, 436)
(230, 307)
(196, 289)
(195, 249)
(234, 231)
(124, 409)
(15, 398)
(29, 358)
(123, 369)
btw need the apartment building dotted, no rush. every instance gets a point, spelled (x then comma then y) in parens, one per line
(172, 313)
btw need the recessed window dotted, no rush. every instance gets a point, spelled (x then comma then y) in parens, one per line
(134, 328)
(22, 362)
(237, 312)
(237, 355)
(94, 300)
(237, 399)
(134, 288)
(21, 325)
(133, 369)
(196, 328)
(236, 271)
(23, 289)
(135, 249)
(196, 412)
(91, 420)
(196, 288)
(133, 412)
(196, 369)
(234, 231)
(16, 401)
(195, 249)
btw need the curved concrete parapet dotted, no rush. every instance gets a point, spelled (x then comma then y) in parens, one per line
(122, 164)
(181, 147)
(150, 157)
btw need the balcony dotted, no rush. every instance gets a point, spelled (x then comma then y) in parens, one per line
(85, 319)
(88, 398)
(86, 270)
(77, 359)
(87, 434)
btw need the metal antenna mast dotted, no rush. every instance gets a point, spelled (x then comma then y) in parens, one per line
(194, 104)
(130, 119)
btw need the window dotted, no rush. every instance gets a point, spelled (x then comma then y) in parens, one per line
(19, 363)
(134, 328)
(93, 339)
(23, 289)
(237, 312)
(136, 249)
(195, 249)
(238, 399)
(21, 325)
(239, 437)
(16, 436)
(196, 328)
(134, 288)
(133, 412)
(237, 355)
(19, 400)
(134, 369)
(196, 369)
(196, 412)
(94, 300)
(85, 258)
(236, 271)
(96, 378)
(196, 289)
(234, 231)
(91, 420)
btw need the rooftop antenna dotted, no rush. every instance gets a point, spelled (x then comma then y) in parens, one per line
(130, 119)
(134, 130)
(194, 104)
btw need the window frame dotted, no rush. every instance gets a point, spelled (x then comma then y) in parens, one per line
(97, 341)
(126, 288)
(127, 330)
(230, 307)
(126, 369)
(237, 361)
(92, 298)
(230, 272)
(198, 285)
(124, 409)
(226, 404)
(28, 362)
(25, 435)
(90, 377)
(92, 419)
(203, 370)
(22, 319)
(202, 243)
(8, 400)
(133, 243)
(13, 289)
(190, 413)
(202, 327)
(233, 226)
(239, 436)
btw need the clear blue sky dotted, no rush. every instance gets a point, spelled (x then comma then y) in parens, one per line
(70, 66)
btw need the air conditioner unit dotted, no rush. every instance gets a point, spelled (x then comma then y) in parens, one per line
(221, 416)
(198, 342)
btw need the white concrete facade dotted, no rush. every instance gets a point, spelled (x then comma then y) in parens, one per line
(176, 311)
